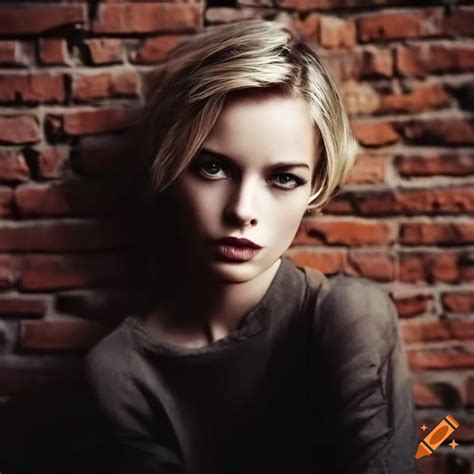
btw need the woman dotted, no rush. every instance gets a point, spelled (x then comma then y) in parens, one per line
(243, 362)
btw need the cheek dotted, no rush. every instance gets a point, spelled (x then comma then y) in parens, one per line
(202, 203)
(287, 220)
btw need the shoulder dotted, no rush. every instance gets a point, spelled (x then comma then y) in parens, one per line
(107, 363)
(356, 312)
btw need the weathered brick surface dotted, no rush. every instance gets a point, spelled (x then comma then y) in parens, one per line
(22, 306)
(53, 51)
(19, 129)
(147, 17)
(100, 51)
(73, 76)
(63, 335)
(32, 88)
(408, 24)
(73, 198)
(52, 272)
(92, 87)
(33, 19)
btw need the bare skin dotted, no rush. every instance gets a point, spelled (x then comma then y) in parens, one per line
(243, 195)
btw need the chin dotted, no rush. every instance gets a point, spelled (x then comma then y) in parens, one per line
(235, 272)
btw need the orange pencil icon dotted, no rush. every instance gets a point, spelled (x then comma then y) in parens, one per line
(436, 436)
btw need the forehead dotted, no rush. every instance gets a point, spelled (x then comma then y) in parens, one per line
(264, 124)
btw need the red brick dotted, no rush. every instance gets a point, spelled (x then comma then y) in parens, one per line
(326, 262)
(433, 165)
(9, 52)
(103, 51)
(429, 267)
(147, 17)
(19, 129)
(442, 131)
(157, 49)
(6, 201)
(13, 167)
(374, 133)
(308, 28)
(426, 395)
(51, 162)
(215, 15)
(421, 98)
(304, 5)
(368, 63)
(422, 59)
(61, 235)
(87, 87)
(428, 233)
(343, 64)
(62, 335)
(436, 330)
(72, 198)
(32, 19)
(340, 205)
(368, 169)
(376, 62)
(458, 302)
(337, 32)
(43, 87)
(455, 358)
(53, 272)
(459, 20)
(96, 121)
(413, 305)
(399, 25)
(22, 305)
(53, 51)
(375, 265)
(423, 201)
(343, 232)
(9, 271)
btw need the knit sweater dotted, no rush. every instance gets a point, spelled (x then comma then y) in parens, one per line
(313, 380)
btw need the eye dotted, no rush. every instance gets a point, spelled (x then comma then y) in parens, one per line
(209, 168)
(291, 178)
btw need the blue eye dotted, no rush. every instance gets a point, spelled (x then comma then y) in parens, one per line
(210, 170)
(297, 180)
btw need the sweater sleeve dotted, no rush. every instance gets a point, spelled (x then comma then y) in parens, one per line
(362, 383)
(134, 441)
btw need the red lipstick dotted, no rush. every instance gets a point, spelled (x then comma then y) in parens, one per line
(233, 248)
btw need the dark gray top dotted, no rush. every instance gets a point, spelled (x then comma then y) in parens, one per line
(314, 380)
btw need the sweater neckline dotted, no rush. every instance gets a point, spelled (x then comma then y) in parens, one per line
(255, 321)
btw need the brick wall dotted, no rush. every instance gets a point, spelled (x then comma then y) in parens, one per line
(71, 85)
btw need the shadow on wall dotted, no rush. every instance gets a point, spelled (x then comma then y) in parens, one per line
(49, 424)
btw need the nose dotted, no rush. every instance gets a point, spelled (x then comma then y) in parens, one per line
(240, 208)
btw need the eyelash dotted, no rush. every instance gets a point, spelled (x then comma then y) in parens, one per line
(299, 180)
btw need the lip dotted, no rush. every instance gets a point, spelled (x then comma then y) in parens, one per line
(236, 252)
(236, 242)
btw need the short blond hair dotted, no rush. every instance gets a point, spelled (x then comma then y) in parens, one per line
(191, 87)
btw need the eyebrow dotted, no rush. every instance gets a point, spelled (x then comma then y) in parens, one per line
(279, 164)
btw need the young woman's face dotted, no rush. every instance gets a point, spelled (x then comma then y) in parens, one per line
(251, 179)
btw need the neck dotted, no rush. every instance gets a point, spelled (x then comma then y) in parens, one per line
(207, 306)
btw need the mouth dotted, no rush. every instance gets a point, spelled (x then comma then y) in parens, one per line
(236, 252)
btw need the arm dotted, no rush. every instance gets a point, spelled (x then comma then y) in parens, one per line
(362, 381)
(134, 442)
